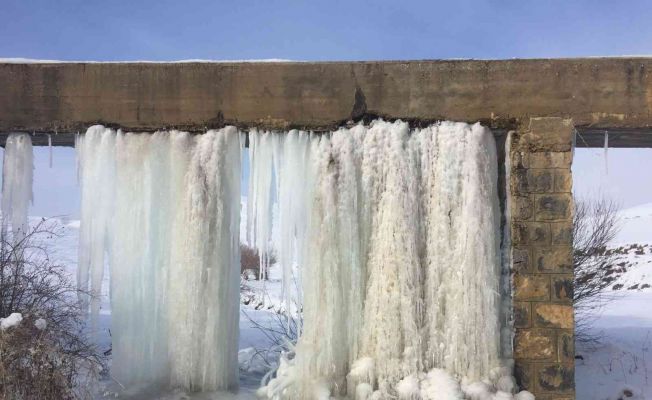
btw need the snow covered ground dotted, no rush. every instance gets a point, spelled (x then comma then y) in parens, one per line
(620, 366)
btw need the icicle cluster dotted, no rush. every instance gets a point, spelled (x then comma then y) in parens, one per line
(400, 271)
(17, 172)
(163, 211)
(280, 192)
(259, 207)
(96, 169)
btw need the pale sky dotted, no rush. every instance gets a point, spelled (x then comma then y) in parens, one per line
(329, 30)
(624, 177)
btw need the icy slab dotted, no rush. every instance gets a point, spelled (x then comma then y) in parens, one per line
(17, 176)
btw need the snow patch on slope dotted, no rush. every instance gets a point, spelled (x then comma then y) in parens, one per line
(636, 225)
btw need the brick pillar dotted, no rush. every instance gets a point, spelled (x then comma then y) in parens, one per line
(541, 206)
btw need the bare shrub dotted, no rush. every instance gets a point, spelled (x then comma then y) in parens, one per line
(58, 362)
(595, 224)
(250, 261)
(281, 333)
(281, 330)
(281, 326)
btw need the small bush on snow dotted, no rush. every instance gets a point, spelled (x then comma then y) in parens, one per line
(250, 262)
(44, 353)
(33, 365)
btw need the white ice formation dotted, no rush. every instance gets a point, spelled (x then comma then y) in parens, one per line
(17, 171)
(401, 270)
(163, 211)
(259, 206)
(389, 239)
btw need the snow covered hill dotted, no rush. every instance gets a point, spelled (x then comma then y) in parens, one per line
(636, 225)
(620, 365)
(632, 248)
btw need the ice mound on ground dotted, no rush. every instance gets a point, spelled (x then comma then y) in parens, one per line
(506, 383)
(362, 373)
(278, 388)
(363, 391)
(524, 395)
(408, 388)
(439, 384)
(478, 391)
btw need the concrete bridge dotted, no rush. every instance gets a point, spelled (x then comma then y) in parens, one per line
(542, 102)
(596, 93)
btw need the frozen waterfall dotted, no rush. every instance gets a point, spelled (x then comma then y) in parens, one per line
(388, 238)
(163, 211)
(96, 171)
(400, 274)
(17, 173)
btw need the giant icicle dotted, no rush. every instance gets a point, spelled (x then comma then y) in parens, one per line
(17, 174)
(140, 257)
(293, 195)
(260, 201)
(462, 264)
(392, 313)
(204, 284)
(96, 163)
(165, 209)
(401, 273)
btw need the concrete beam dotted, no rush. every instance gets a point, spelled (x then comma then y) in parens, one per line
(597, 93)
